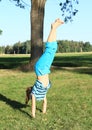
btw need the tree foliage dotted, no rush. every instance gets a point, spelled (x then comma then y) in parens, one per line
(68, 9)
(1, 31)
(74, 46)
(64, 46)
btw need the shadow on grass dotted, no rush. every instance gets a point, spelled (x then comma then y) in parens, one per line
(81, 70)
(12, 62)
(78, 63)
(73, 61)
(81, 63)
(14, 104)
(79, 60)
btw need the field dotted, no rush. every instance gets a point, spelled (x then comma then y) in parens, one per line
(69, 99)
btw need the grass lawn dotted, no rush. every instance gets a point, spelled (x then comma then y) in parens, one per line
(61, 60)
(69, 99)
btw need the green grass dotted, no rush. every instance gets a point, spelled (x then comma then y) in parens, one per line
(61, 60)
(73, 59)
(13, 60)
(69, 100)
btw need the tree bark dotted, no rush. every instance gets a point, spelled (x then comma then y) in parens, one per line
(37, 23)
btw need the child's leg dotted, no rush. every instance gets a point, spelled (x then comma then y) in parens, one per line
(44, 63)
(33, 105)
(44, 105)
(52, 34)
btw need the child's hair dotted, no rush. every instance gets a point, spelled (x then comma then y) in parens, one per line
(28, 91)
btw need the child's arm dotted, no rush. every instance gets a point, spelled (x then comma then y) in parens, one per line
(44, 105)
(33, 106)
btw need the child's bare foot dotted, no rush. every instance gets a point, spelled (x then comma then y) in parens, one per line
(57, 23)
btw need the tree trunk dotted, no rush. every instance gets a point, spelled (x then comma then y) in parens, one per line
(37, 22)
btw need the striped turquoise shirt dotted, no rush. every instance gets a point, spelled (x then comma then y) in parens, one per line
(39, 90)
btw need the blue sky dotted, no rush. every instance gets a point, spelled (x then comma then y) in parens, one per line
(15, 22)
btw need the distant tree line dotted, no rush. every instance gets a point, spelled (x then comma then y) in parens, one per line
(17, 48)
(1, 31)
(74, 46)
(63, 46)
